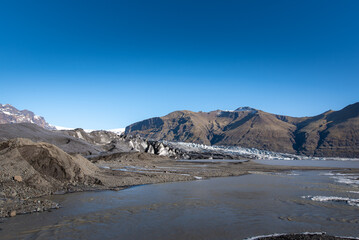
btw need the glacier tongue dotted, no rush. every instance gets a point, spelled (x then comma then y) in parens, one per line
(244, 152)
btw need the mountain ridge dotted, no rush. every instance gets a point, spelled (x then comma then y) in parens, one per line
(10, 114)
(330, 134)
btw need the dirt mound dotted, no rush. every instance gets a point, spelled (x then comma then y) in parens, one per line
(30, 170)
(41, 166)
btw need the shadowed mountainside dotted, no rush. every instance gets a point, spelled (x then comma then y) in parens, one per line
(332, 134)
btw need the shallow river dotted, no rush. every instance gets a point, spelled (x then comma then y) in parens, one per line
(312, 163)
(217, 208)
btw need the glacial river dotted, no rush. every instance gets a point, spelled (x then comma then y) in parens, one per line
(217, 208)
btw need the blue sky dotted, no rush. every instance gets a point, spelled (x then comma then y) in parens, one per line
(107, 64)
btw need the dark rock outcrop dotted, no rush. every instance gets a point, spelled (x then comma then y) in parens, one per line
(112, 143)
(87, 144)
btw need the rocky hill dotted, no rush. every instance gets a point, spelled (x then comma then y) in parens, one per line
(36, 133)
(331, 134)
(46, 161)
(9, 114)
(111, 142)
(91, 144)
(30, 169)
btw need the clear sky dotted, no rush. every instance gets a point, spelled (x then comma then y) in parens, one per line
(106, 64)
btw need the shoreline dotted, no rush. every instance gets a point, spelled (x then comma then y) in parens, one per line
(302, 236)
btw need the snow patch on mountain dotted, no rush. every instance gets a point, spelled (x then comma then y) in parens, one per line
(118, 131)
(63, 128)
(246, 109)
(10, 114)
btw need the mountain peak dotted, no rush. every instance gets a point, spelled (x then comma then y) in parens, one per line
(10, 114)
(246, 109)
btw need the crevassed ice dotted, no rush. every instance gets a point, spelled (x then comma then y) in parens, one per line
(235, 150)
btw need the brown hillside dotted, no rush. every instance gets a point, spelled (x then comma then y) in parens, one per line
(333, 133)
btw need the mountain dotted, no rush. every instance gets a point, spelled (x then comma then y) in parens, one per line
(330, 134)
(9, 114)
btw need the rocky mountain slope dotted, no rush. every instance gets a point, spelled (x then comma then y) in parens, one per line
(9, 114)
(36, 133)
(332, 134)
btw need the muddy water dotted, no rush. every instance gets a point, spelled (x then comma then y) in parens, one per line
(312, 163)
(218, 208)
(213, 161)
